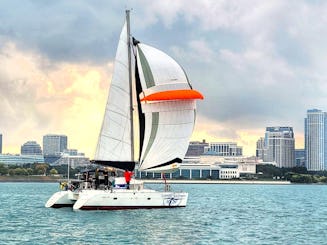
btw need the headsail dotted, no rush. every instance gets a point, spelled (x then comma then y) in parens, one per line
(168, 104)
(114, 143)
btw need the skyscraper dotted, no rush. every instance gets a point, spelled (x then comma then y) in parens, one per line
(54, 144)
(31, 148)
(279, 144)
(0, 143)
(260, 151)
(315, 128)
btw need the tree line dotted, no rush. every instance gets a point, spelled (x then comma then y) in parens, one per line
(36, 169)
(295, 175)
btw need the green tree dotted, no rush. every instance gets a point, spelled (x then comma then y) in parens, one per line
(20, 171)
(3, 169)
(53, 171)
(41, 168)
(11, 171)
(29, 171)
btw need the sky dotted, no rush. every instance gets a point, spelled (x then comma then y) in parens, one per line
(258, 63)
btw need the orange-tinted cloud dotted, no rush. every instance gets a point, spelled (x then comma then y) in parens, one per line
(38, 98)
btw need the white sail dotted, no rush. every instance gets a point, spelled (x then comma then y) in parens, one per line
(170, 115)
(114, 143)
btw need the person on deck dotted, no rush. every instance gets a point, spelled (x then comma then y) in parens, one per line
(128, 175)
(112, 179)
(97, 182)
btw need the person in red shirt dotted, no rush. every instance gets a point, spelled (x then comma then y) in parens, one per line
(128, 175)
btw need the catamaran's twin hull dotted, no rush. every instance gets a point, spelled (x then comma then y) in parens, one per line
(61, 199)
(129, 199)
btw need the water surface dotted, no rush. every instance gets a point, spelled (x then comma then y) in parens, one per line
(215, 214)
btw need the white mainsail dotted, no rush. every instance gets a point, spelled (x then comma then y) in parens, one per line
(114, 143)
(170, 115)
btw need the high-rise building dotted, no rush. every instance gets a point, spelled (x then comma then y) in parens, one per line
(279, 144)
(315, 129)
(196, 148)
(0, 143)
(54, 145)
(261, 151)
(300, 157)
(31, 148)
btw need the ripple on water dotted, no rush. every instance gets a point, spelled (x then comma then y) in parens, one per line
(216, 214)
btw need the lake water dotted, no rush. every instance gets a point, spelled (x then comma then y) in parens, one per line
(215, 214)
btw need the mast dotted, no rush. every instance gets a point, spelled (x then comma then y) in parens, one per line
(130, 82)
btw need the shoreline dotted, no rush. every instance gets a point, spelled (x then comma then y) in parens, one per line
(50, 179)
(248, 182)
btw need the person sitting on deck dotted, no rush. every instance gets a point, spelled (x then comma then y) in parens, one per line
(128, 175)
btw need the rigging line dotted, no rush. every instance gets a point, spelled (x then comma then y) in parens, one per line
(118, 87)
(116, 139)
(117, 113)
(121, 62)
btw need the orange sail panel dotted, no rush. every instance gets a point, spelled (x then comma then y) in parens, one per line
(185, 94)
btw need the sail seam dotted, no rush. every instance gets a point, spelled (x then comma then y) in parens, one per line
(118, 113)
(154, 130)
(121, 63)
(117, 87)
(147, 73)
(123, 141)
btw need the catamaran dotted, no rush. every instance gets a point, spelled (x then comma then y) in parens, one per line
(166, 109)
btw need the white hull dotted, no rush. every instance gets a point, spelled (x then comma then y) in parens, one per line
(118, 199)
(62, 199)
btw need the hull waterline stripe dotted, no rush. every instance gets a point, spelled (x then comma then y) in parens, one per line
(125, 207)
(62, 205)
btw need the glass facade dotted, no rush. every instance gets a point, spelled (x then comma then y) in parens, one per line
(195, 174)
(315, 126)
(205, 174)
(185, 173)
(215, 174)
(20, 159)
(175, 175)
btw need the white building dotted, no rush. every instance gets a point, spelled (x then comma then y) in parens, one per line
(224, 149)
(209, 167)
(73, 161)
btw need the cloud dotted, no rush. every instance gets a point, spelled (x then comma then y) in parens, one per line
(68, 99)
(65, 31)
(258, 63)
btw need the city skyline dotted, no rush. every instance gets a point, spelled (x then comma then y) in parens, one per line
(257, 63)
